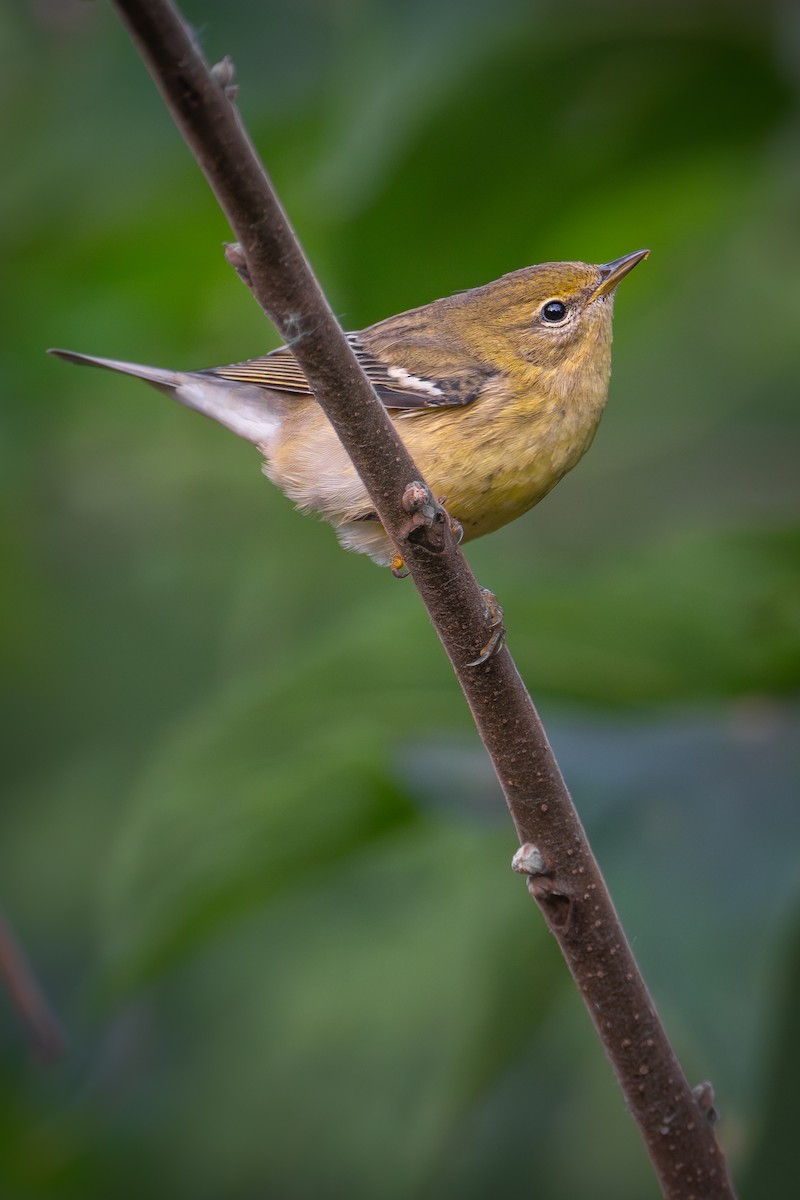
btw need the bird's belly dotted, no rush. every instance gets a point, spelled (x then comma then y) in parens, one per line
(488, 466)
(492, 497)
(487, 482)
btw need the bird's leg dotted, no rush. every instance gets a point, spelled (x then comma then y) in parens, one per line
(497, 630)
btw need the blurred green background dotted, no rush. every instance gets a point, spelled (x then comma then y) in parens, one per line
(247, 834)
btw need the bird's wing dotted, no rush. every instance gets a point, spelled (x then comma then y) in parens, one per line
(399, 387)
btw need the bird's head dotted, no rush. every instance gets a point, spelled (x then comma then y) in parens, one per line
(555, 317)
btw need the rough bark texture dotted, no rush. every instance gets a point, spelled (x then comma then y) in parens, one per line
(569, 889)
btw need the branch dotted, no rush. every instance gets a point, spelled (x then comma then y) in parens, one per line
(563, 876)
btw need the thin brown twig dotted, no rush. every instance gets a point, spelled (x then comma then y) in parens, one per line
(566, 882)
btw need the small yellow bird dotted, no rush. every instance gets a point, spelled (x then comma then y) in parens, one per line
(497, 392)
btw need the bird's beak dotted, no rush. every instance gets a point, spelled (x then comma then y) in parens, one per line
(612, 272)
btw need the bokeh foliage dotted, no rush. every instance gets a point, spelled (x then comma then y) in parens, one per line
(247, 834)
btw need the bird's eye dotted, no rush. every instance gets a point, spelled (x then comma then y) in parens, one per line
(554, 311)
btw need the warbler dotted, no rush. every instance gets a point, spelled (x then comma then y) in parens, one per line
(496, 391)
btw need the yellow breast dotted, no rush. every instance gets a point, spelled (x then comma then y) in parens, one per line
(494, 460)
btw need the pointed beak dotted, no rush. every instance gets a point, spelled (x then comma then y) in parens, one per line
(612, 272)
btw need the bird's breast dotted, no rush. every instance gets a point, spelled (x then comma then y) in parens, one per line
(497, 458)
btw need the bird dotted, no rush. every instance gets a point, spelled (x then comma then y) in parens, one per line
(496, 391)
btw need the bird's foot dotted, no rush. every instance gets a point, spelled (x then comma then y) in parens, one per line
(456, 528)
(497, 630)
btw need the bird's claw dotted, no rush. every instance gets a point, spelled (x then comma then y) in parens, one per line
(497, 630)
(456, 528)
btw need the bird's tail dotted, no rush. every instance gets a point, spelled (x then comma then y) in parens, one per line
(246, 409)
